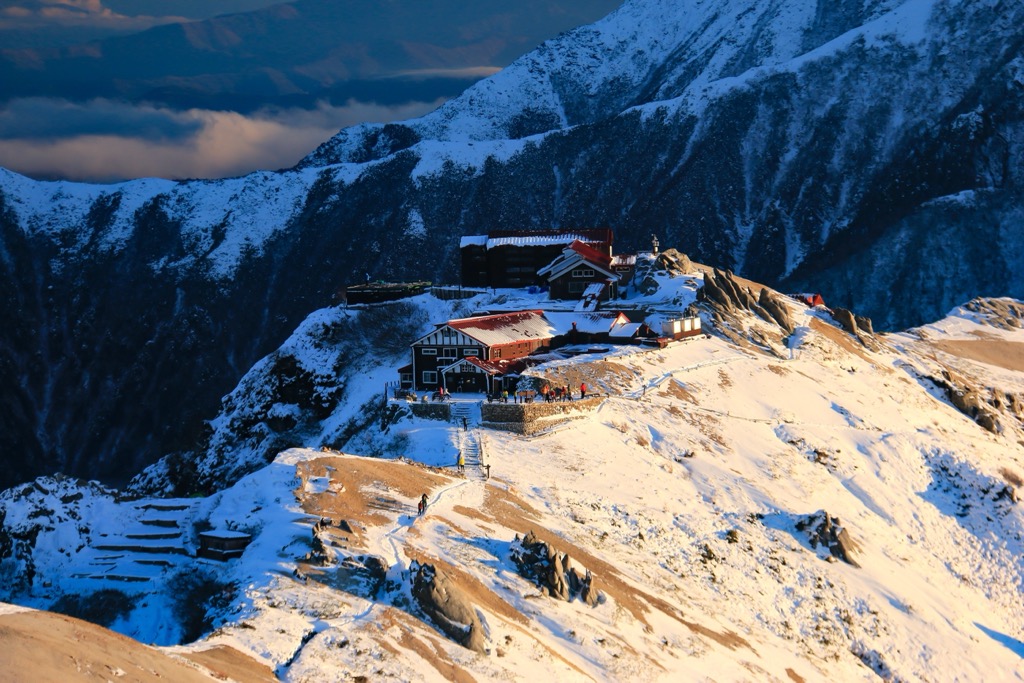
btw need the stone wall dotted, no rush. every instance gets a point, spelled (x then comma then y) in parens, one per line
(432, 411)
(530, 418)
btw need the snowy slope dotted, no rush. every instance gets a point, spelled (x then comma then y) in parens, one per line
(685, 491)
(808, 146)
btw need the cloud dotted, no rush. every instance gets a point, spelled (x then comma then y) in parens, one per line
(45, 118)
(31, 15)
(104, 141)
(473, 73)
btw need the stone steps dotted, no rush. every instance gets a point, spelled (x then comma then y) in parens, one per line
(163, 549)
(168, 523)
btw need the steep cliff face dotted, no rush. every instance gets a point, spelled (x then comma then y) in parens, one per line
(801, 145)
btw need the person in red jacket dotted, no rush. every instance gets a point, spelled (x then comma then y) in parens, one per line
(583, 390)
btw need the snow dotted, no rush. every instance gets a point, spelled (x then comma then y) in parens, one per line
(683, 491)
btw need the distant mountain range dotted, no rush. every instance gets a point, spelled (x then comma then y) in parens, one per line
(870, 151)
(293, 54)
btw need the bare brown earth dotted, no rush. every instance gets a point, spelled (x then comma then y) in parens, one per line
(1002, 354)
(424, 643)
(511, 512)
(228, 663)
(842, 339)
(37, 647)
(358, 494)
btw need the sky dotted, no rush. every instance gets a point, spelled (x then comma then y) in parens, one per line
(86, 137)
(104, 140)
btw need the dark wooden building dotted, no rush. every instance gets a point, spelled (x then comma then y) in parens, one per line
(577, 268)
(437, 356)
(222, 545)
(511, 258)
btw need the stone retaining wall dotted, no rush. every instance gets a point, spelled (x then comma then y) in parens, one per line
(432, 411)
(530, 418)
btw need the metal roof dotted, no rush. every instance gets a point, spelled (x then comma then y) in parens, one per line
(592, 322)
(505, 328)
(625, 330)
(574, 256)
(595, 237)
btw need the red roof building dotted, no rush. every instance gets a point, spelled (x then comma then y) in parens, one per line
(576, 268)
(437, 356)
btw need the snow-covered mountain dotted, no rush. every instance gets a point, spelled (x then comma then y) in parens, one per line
(812, 147)
(786, 499)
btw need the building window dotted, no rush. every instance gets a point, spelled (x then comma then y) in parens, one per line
(466, 353)
(577, 287)
(428, 352)
(583, 272)
(429, 377)
(449, 352)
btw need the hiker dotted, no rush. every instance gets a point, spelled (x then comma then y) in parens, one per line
(462, 462)
(465, 423)
(504, 395)
(583, 390)
(567, 393)
(423, 504)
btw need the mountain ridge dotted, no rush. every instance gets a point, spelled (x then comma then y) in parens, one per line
(803, 180)
(701, 499)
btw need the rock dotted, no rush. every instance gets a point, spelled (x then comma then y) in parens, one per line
(449, 608)
(777, 309)
(552, 571)
(864, 324)
(823, 529)
(988, 421)
(732, 289)
(713, 293)
(670, 261)
(857, 325)
(589, 594)
(845, 319)
(674, 262)
(968, 399)
(1006, 314)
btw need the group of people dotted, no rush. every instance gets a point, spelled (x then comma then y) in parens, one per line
(561, 393)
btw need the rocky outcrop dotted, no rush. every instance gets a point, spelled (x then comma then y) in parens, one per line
(774, 306)
(553, 571)
(722, 291)
(972, 401)
(825, 530)
(1007, 314)
(447, 606)
(669, 262)
(856, 325)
